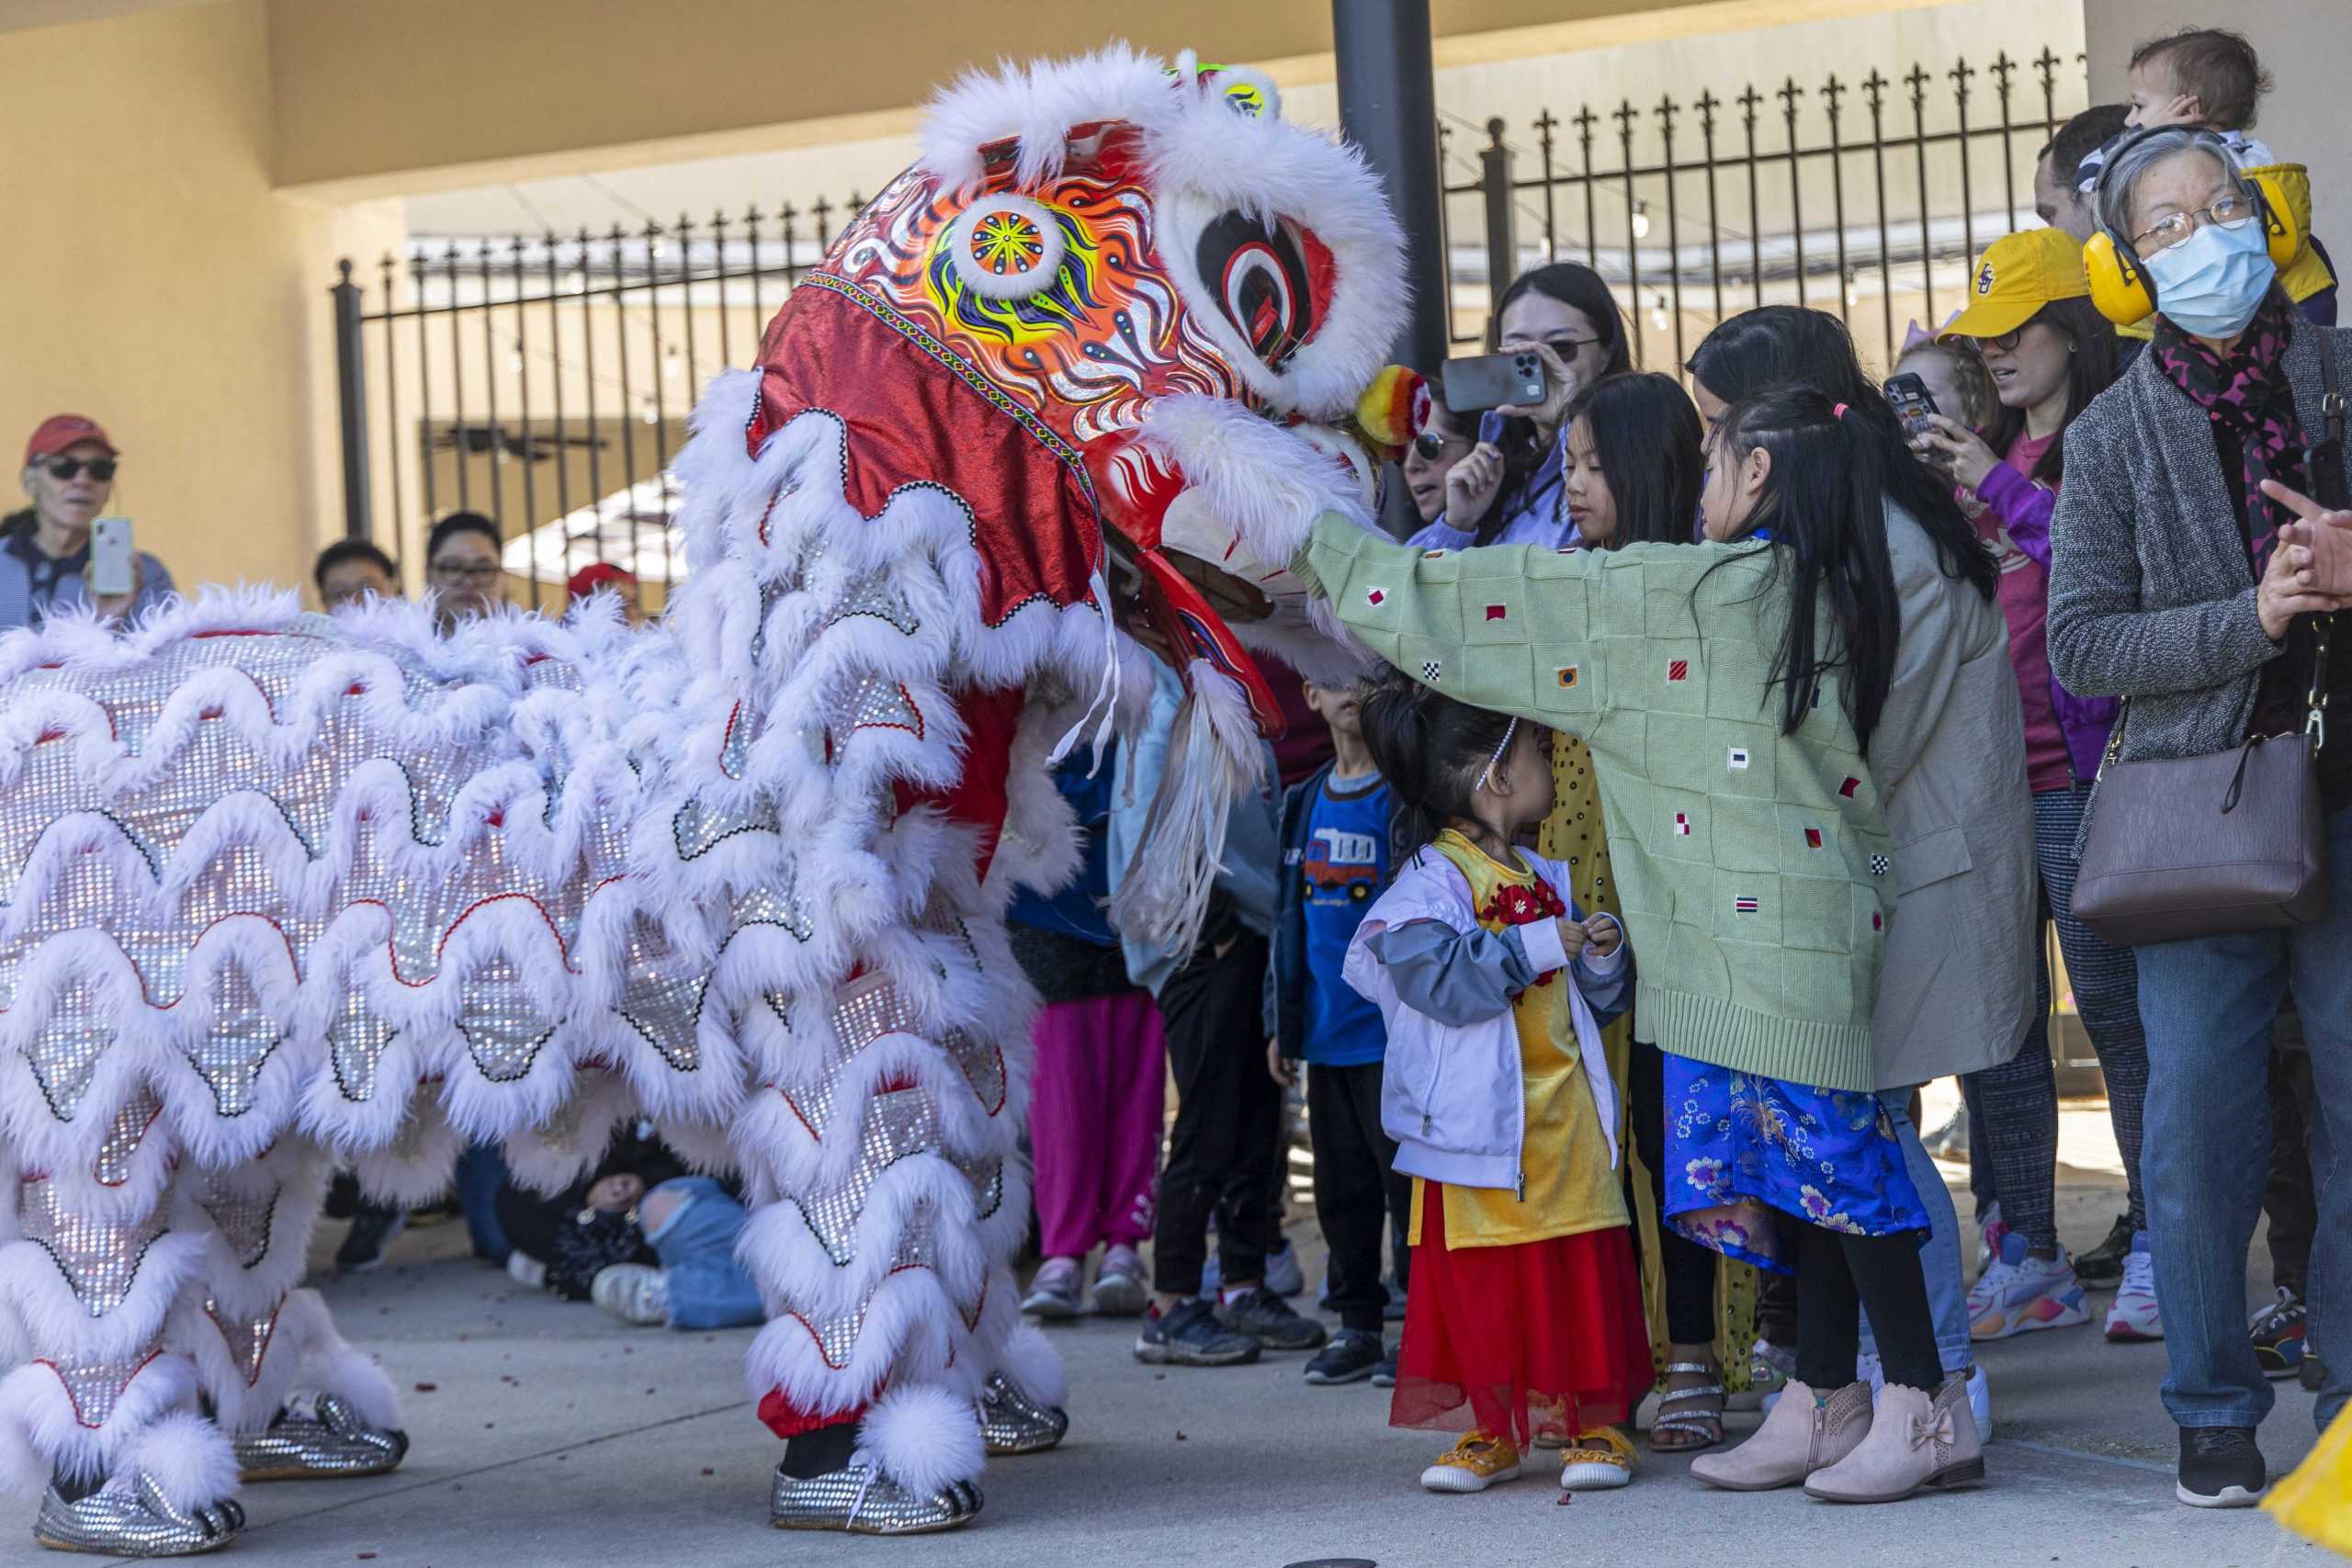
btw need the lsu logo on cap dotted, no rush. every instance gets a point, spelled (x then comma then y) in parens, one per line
(1985, 278)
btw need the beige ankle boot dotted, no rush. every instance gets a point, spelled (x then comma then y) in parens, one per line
(1914, 1440)
(1803, 1432)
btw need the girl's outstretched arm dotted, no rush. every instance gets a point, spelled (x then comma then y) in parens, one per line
(1468, 622)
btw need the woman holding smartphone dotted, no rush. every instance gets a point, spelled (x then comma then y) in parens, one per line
(1510, 488)
(2049, 353)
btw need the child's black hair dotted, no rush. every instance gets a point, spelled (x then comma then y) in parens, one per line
(1431, 749)
(1824, 502)
(1645, 431)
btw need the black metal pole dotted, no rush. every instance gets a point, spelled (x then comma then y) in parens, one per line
(1388, 107)
(351, 384)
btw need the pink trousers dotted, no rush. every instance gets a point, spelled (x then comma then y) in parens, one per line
(1097, 1102)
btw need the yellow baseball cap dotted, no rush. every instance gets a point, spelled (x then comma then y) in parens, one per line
(2017, 275)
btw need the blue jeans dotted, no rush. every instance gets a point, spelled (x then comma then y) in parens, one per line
(696, 1245)
(2208, 1004)
(1940, 1258)
(481, 1171)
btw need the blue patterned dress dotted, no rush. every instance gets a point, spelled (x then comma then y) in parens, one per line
(1739, 1147)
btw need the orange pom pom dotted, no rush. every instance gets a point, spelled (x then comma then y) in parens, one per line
(1395, 407)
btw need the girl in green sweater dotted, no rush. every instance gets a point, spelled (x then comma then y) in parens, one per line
(1727, 692)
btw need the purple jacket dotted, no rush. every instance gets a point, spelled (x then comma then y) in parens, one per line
(2024, 509)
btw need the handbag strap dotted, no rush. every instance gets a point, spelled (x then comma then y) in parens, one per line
(2329, 482)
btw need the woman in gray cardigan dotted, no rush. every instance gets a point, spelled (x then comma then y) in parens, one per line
(2167, 589)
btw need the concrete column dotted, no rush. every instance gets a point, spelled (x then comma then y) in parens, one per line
(2305, 44)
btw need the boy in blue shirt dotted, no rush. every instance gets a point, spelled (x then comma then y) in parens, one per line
(1335, 842)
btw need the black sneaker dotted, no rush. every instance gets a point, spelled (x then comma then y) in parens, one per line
(1192, 1336)
(1273, 1322)
(1384, 1374)
(2220, 1468)
(372, 1230)
(1354, 1354)
(2103, 1264)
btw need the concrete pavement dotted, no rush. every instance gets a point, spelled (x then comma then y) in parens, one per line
(546, 1433)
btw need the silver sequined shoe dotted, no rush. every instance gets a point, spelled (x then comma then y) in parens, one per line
(319, 1438)
(862, 1500)
(129, 1517)
(1012, 1422)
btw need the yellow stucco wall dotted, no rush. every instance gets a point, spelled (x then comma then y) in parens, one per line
(152, 279)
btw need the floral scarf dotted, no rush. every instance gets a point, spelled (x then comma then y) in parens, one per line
(2247, 392)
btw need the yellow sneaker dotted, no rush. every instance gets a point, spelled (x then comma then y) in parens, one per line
(1600, 1460)
(1473, 1464)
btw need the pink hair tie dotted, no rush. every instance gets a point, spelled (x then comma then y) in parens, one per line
(1839, 411)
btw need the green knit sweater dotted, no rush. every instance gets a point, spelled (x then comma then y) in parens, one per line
(1752, 864)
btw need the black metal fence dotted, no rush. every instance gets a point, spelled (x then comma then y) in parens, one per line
(545, 381)
(1777, 195)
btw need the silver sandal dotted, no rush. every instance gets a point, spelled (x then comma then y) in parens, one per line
(1708, 1424)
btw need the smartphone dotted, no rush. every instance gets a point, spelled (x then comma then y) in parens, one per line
(1495, 380)
(109, 571)
(1912, 403)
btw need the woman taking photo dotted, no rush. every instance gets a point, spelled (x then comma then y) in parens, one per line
(2170, 586)
(1509, 491)
(1730, 722)
(1958, 976)
(2050, 353)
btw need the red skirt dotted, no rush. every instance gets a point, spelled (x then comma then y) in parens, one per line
(1492, 1331)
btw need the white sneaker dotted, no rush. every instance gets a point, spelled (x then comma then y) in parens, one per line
(2133, 1316)
(1769, 1368)
(1284, 1275)
(2020, 1292)
(1989, 1235)
(1868, 1368)
(1123, 1289)
(634, 1292)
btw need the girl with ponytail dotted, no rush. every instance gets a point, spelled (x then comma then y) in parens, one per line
(1498, 1095)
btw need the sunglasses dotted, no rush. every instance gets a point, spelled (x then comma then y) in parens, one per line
(61, 469)
(1430, 446)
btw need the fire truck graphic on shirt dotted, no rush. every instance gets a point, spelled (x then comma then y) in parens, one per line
(1342, 865)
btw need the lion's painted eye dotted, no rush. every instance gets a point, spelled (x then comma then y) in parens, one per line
(1006, 247)
(1260, 280)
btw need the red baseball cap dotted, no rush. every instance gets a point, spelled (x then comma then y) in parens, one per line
(60, 431)
(589, 579)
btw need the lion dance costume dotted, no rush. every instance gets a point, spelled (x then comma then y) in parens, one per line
(279, 893)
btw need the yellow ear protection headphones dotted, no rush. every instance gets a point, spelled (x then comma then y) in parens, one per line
(2119, 288)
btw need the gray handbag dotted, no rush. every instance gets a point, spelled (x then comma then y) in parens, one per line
(2234, 840)
(2179, 847)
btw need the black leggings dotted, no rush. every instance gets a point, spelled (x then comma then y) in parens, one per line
(1840, 1276)
(1688, 1268)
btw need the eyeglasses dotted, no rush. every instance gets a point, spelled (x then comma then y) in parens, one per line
(457, 574)
(1430, 446)
(64, 468)
(2230, 211)
(2007, 342)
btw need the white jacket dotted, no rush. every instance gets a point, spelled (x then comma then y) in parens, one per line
(1451, 1095)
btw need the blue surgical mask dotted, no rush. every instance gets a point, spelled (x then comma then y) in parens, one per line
(2211, 283)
